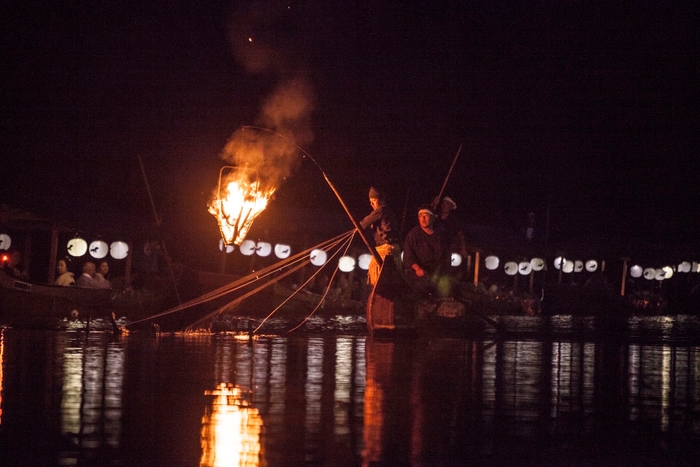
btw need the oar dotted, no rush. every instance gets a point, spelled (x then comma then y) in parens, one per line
(498, 326)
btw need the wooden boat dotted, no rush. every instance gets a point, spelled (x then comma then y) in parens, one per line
(27, 304)
(311, 300)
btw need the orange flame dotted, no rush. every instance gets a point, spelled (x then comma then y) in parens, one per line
(236, 203)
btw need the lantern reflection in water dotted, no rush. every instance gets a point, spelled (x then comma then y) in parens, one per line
(230, 430)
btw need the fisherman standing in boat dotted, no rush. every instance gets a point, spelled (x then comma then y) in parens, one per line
(426, 257)
(382, 222)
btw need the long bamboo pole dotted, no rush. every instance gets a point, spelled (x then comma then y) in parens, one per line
(444, 183)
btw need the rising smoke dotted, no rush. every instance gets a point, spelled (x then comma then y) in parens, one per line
(255, 37)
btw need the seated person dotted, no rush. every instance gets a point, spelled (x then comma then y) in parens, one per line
(102, 271)
(87, 278)
(11, 265)
(65, 277)
(426, 256)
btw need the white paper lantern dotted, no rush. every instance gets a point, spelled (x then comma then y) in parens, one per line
(511, 268)
(263, 249)
(76, 247)
(659, 274)
(5, 242)
(684, 267)
(558, 261)
(636, 271)
(568, 267)
(591, 265)
(578, 266)
(222, 245)
(363, 261)
(346, 263)
(455, 259)
(282, 251)
(247, 248)
(649, 273)
(524, 268)
(318, 257)
(119, 250)
(491, 263)
(98, 249)
(668, 272)
(537, 264)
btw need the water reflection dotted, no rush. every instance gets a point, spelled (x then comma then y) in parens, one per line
(347, 400)
(230, 430)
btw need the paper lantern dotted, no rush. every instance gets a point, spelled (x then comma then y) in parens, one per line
(363, 261)
(649, 273)
(318, 257)
(282, 251)
(5, 242)
(98, 249)
(537, 264)
(491, 263)
(524, 268)
(119, 250)
(684, 267)
(668, 272)
(455, 259)
(636, 271)
(76, 247)
(247, 247)
(558, 261)
(511, 268)
(568, 267)
(263, 249)
(578, 266)
(591, 265)
(346, 263)
(222, 246)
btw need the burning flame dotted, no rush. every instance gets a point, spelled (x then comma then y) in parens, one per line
(236, 204)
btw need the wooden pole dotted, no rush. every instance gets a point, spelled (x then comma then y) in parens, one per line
(624, 277)
(476, 268)
(444, 184)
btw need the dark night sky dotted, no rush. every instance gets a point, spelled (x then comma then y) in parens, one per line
(587, 108)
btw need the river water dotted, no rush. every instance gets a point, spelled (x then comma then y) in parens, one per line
(344, 399)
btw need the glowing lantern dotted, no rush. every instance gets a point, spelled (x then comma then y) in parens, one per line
(568, 267)
(98, 249)
(558, 261)
(668, 272)
(455, 259)
(591, 265)
(659, 274)
(282, 251)
(346, 263)
(491, 263)
(524, 268)
(363, 261)
(578, 266)
(223, 246)
(76, 247)
(511, 268)
(636, 271)
(238, 200)
(5, 242)
(263, 249)
(684, 267)
(247, 247)
(695, 267)
(649, 273)
(537, 264)
(318, 257)
(119, 250)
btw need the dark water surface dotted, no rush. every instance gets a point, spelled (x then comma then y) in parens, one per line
(577, 398)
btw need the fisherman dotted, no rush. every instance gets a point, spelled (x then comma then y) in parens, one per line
(426, 256)
(382, 222)
(452, 228)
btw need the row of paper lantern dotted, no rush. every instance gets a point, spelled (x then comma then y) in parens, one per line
(77, 247)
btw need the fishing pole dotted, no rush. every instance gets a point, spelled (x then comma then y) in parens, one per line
(444, 184)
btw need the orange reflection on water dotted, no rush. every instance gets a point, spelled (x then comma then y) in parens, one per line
(230, 430)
